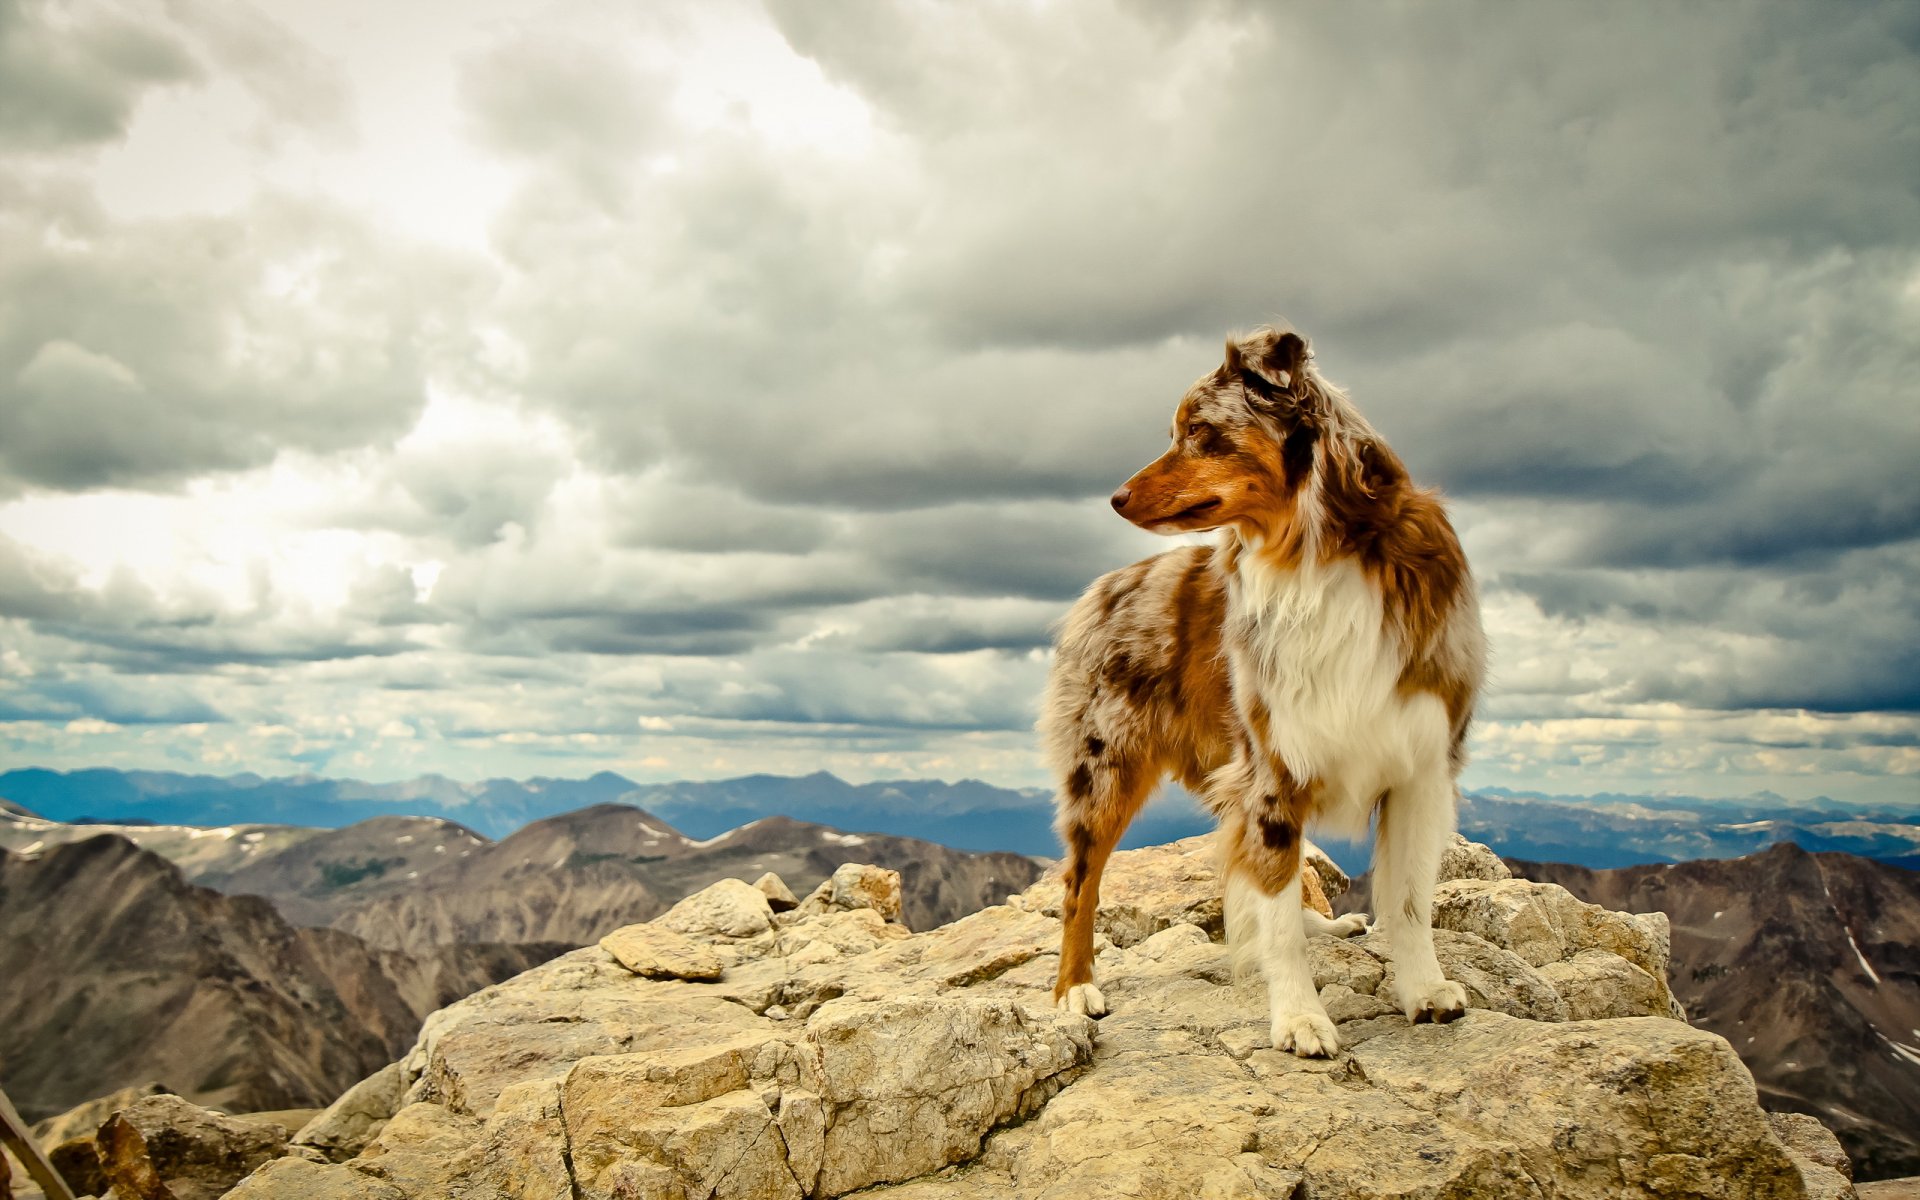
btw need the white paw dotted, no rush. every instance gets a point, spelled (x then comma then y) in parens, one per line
(1310, 1035)
(1351, 925)
(1440, 1001)
(1084, 999)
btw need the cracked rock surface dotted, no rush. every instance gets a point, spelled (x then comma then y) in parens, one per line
(838, 1052)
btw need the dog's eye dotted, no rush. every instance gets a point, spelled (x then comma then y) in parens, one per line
(1195, 429)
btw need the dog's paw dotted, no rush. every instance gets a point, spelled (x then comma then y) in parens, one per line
(1084, 999)
(1351, 925)
(1440, 1002)
(1310, 1035)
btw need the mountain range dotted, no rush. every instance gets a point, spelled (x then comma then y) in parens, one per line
(1602, 830)
(414, 883)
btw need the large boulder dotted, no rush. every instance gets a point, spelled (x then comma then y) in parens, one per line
(840, 1053)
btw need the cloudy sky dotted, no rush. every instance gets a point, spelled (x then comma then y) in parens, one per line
(693, 389)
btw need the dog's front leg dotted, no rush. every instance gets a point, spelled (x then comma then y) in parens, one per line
(1266, 920)
(1414, 823)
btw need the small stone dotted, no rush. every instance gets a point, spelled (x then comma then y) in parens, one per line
(779, 896)
(659, 952)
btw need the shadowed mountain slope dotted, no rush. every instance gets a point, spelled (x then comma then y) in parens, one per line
(118, 971)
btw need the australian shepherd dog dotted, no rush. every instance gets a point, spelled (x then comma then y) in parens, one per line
(1319, 663)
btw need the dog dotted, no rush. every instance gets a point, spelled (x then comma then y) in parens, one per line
(1320, 662)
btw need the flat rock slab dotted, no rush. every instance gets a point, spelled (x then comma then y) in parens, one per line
(661, 953)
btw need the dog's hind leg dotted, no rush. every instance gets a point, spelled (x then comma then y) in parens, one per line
(1414, 822)
(1099, 802)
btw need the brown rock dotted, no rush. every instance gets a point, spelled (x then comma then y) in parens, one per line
(164, 1148)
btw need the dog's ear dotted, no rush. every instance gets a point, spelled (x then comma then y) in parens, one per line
(1285, 359)
(1270, 360)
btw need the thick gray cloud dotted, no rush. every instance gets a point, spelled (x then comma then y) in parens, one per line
(147, 353)
(72, 78)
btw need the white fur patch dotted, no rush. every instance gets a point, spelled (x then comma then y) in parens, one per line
(1312, 644)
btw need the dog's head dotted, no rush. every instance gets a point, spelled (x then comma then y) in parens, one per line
(1243, 444)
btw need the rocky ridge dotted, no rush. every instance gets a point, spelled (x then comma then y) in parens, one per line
(1809, 964)
(839, 1051)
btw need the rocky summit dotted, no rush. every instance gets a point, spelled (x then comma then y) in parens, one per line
(837, 1051)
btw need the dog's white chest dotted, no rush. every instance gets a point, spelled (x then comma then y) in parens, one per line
(1312, 645)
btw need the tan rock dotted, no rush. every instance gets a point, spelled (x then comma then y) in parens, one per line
(1313, 893)
(681, 1122)
(1463, 859)
(298, 1179)
(836, 935)
(729, 908)
(344, 1128)
(1495, 979)
(78, 1161)
(422, 1150)
(1597, 984)
(853, 886)
(1331, 879)
(523, 1151)
(1638, 1107)
(913, 1085)
(1544, 923)
(1824, 1166)
(660, 952)
(1145, 891)
(165, 1148)
(779, 896)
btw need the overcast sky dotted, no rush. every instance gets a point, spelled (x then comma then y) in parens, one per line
(695, 389)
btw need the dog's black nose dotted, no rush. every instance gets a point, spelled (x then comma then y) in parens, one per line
(1120, 499)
